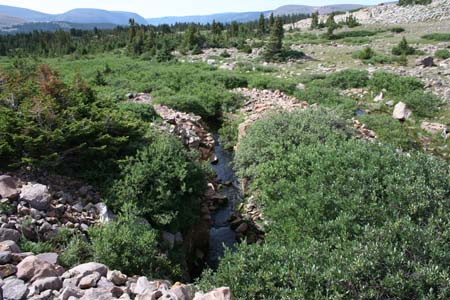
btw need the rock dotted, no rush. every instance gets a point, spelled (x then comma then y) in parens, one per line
(105, 215)
(142, 285)
(88, 268)
(425, 62)
(89, 281)
(47, 283)
(117, 277)
(9, 246)
(178, 238)
(182, 291)
(97, 294)
(379, 97)
(70, 292)
(390, 103)
(108, 285)
(401, 112)
(5, 257)
(15, 289)
(168, 239)
(32, 268)
(222, 293)
(300, 86)
(37, 195)
(8, 188)
(9, 234)
(242, 228)
(7, 270)
(51, 258)
(433, 128)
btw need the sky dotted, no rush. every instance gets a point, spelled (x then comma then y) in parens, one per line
(157, 8)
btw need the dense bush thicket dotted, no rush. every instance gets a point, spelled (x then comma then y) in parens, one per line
(49, 124)
(442, 54)
(346, 219)
(413, 2)
(164, 181)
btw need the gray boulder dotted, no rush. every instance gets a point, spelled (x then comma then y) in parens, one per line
(5, 257)
(9, 246)
(15, 289)
(48, 283)
(87, 269)
(8, 188)
(7, 234)
(401, 112)
(37, 195)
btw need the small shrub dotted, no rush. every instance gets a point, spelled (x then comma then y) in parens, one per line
(349, 78)
(413, 2)
(363, 54)
(325, 96)
(74, 252)
(354, 34)
(225, 54)
(397, 29)
(403, 48)
(422, 104)
(130, 246)
(35, 247)
(440, 37)
(442, 54)
(140, 111)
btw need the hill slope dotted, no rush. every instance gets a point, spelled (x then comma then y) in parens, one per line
(305, 9)
(24, 13)
(223, 18)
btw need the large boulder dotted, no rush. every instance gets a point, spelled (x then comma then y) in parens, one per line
(401, 112)
(32, 268)
(10, 246)
(182, 291)
(425, 62)
(8, 188)
(37, 195)
(9, 234)
(15, 289)
(69, 292)
(97, 294)
(222, 293)
(86, 269)
(89, 281)
(142, 285)
(104, 214)
(7, 270)
(47, 283)
(5, 257)
(117, 277)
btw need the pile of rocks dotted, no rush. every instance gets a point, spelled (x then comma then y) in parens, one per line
(437, 11)
(189, 128)
(363, 132)
(261, 102)
(39, 277)
(38, 212)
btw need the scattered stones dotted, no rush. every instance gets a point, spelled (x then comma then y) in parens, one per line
(401, 112)
(37, 195)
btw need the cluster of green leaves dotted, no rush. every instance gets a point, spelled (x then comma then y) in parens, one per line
(346, 219)
(55, 126)
(440, 37)
(349, 78)
(164, 181)
(369, 56)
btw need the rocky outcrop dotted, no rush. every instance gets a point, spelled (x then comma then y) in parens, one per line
(437, 11)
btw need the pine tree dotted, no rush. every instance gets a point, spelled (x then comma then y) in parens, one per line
(331, 24)
(271, 21)
(315, 20)
(262, 25)
(275, 44)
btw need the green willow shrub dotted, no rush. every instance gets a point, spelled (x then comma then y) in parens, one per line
(164, 181)
(442, 54)
(423, 104)
(74, 252)
(403, 48)
(395, 85)
(319, 92)
(349, 78)
(130, 245)
(346, 219)
(441, 37)
(389, 131)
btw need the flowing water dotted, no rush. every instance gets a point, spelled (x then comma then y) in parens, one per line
(221, 235)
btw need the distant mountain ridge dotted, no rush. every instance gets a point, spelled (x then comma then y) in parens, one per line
(79, 15)
(17, 16)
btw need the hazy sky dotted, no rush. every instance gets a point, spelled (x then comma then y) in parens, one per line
(156, 8)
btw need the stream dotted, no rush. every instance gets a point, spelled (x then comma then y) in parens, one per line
(221, 235)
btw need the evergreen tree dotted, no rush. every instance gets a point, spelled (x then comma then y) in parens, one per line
(271, 21)
(315, 20)
(331, 24)
(262, 25)
(275, 44)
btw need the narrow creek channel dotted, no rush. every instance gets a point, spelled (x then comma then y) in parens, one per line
(221, 234)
